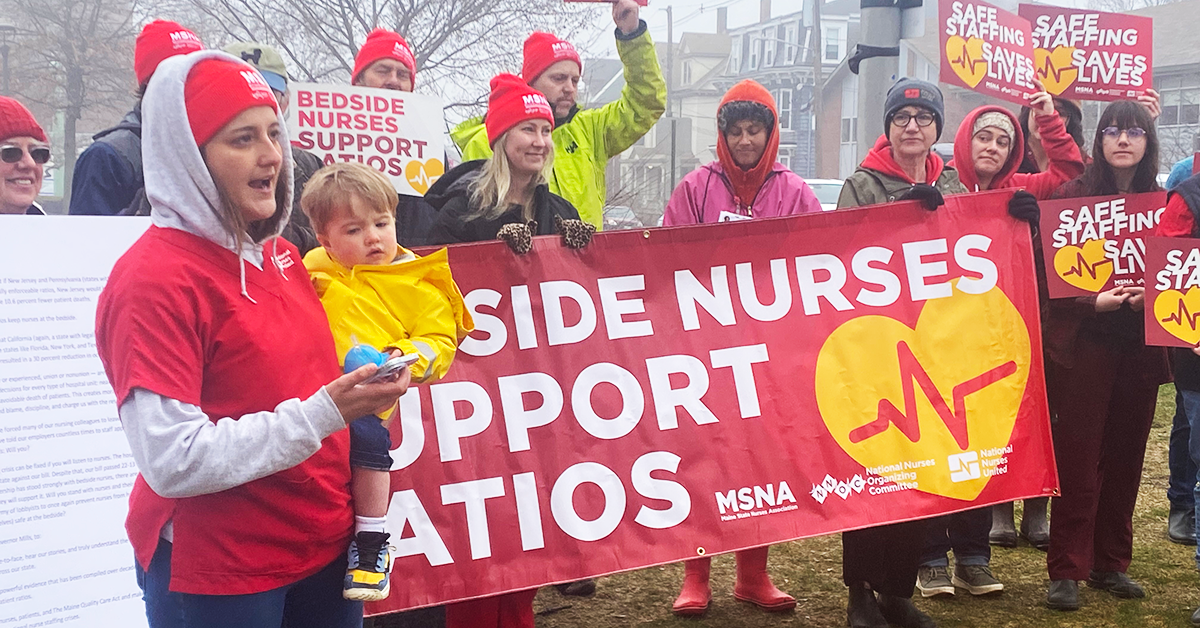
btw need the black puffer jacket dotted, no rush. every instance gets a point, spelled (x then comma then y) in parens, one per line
(451, 195)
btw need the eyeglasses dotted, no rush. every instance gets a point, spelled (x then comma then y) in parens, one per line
(923, 119)
(1133, 132)
(12, 154)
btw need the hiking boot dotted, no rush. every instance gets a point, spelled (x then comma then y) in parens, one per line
(1196, 617)
(1035, 528)
(900, 611)
(1063, 595)
(976, 579)
(863, 609)
(1181, 526)
(934, 581)
(368, 574)
(1116, 583)
(1003, 533)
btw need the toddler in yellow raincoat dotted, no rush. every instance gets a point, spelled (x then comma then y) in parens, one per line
(379, 294)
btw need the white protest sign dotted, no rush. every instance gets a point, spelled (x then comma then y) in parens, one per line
(397, 133)
(65, 468)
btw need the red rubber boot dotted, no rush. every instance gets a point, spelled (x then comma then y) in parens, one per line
(695, 595)
(755, 586)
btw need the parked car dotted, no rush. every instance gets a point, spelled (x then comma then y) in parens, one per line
(620, 217)
(827, 191)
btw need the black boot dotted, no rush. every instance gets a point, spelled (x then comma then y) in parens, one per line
(900, 611)
(1181, 526)
(1003, 533)
(863, 610)
(1063, 595)
(1035, 528)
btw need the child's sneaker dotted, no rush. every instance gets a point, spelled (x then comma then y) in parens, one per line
(368, 575)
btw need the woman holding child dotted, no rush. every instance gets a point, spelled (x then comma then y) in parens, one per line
(241, 514)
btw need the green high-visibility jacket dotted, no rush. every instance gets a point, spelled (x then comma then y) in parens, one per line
(585, 142)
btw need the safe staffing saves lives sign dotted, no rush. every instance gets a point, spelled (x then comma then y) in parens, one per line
(986, 49)
(1097, 243)
(1091, 55)
(672, 393)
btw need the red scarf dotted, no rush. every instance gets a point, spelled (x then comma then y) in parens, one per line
(880, 159)
(746, 183)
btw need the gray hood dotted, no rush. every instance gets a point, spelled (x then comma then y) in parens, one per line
(180, 189)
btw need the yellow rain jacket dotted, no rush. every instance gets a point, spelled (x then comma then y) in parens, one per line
(411, 304)
(585, 142)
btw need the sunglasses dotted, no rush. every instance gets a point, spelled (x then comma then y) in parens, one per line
(12, 154)
(1134, 132)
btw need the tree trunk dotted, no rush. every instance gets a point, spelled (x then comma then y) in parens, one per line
(75, 93)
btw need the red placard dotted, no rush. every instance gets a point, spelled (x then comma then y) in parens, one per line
(987, 49)
(1173, 292)
(1097, 243)
(669, 393)
(1091, 55)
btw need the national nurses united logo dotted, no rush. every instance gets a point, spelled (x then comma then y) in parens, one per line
(916, 401)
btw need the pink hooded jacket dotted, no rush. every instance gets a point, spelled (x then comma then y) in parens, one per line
(706, 192)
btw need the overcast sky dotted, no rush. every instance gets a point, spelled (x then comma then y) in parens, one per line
(698, 16)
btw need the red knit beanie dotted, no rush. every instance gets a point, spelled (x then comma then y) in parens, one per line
(17, 121)
(161, 39)
(384, 44)
(218, 90)
(511, 103)
(543, 50)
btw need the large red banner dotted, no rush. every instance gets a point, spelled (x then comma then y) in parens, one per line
(672, 393)
(987, 49)
(1172, 292)
(1091, 55)
(1097, 243)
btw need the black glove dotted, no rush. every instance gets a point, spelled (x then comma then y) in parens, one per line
(518, 237)
(929, 196)
(576, 234)
(1024, 206)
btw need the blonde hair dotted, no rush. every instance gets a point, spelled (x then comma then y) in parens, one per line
(330, 188)
(491, 188)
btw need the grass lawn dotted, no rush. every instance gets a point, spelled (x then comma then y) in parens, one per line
(811, 571)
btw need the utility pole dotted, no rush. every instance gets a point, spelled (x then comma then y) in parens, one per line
(817, 67)
(880, 23)
(671, 88)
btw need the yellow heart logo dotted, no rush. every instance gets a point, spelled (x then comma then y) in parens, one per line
(1086, 267)
(928, 401)
(966, 59)
(422, 176)
(1056, 69)
(1177, 313)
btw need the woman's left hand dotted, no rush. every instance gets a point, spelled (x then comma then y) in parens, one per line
(576, 233)
(1152, 103)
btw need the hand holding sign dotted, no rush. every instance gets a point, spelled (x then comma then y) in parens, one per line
(1041, 102)
(626, 17)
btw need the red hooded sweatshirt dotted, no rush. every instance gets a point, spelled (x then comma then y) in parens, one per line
(1066, 162)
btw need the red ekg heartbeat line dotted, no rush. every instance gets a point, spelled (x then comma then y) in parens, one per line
(1082, 264)
(1181, 314)
(964, 60)
(1049, 68)
(906, 421)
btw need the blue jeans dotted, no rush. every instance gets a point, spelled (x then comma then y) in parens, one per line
(964, 532)
(314, 602)
(1191, 407)
(1183, 470)
(370, 444)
